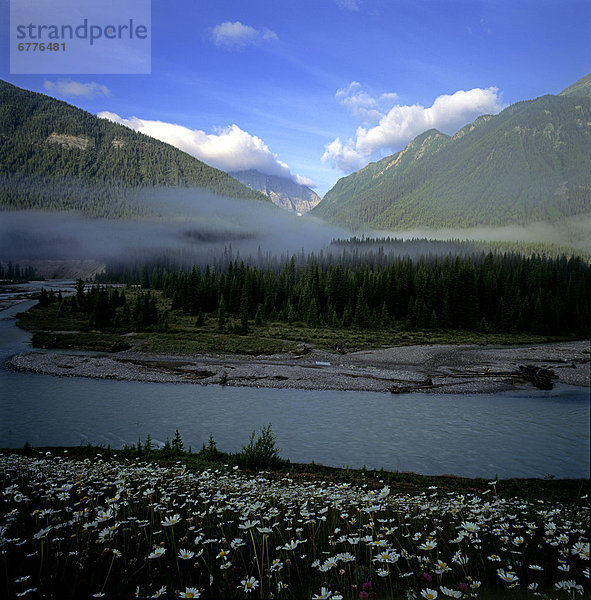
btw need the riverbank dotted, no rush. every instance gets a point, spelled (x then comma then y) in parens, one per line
(460, 368)
(568, 491)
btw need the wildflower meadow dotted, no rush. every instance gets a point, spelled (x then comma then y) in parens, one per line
(119, 527)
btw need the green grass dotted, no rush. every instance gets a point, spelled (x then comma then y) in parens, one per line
(364, 339)
(208, 341)
(98, 341)
(53, 328)
(51, 318)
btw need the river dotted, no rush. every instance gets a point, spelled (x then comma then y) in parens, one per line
(511, 434)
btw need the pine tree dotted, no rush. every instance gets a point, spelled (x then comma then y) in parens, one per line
(177, 443)
(312, 314)
(200, 321)
(537, 322)
(243, 313)
(384, 317)
(43, 298)
(222, 317)
(258, 318)
(433, 321)
(362, 315)
(80, 294)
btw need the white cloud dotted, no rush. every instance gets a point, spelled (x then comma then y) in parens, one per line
(343, 156)
(402, 122)
(352, 5)
(304, 181)
(69, 87)
(485, 26)
(236, 35)
(229, 149)
(362, 105)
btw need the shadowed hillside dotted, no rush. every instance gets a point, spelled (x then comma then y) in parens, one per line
(58, 157)
(531, 162)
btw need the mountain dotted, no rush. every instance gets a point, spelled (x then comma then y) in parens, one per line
(282, 191)
(531, 162)
(58, 157)
(582, 87)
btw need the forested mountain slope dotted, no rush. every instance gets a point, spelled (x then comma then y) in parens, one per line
(531, 162)
(582, 87)
(56, 156)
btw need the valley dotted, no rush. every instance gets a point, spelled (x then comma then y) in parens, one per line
(418, 338)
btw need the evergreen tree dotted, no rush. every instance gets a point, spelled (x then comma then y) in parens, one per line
(244, 311)
(80, 294)
(222, 316)
(312, 314)
(258, 317)
(43, 298)
(537, 324)
(362, 317)
(177, 443)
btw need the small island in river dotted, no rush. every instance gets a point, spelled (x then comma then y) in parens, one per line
(118, 341)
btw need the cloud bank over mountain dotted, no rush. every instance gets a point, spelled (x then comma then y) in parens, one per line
(228, 149)
(398, 124)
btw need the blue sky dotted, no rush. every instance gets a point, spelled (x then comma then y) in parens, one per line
(316, 89)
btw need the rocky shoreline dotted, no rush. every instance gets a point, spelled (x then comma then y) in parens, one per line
(437, 369)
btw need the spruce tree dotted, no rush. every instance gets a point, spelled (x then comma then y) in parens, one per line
(222, 317)
(177, 443)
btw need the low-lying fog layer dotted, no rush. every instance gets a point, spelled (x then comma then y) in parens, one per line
(193, 223)
(574, 232)
(197, 227)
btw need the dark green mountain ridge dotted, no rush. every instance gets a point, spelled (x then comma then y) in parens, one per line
(531, 162)
(581, 87)
(54, 156)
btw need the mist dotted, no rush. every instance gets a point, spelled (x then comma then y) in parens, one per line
(195, 227)
(192, 225)
(572, 232)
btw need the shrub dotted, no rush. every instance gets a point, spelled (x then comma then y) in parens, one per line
(211, 452)
(261, 453)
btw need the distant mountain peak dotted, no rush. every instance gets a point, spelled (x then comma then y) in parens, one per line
(282, 191)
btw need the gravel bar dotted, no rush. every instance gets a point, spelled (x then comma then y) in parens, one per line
(431, 368)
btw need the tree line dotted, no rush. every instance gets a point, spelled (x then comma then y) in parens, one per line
(16, 272)
(109, 307)
(486, 292)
